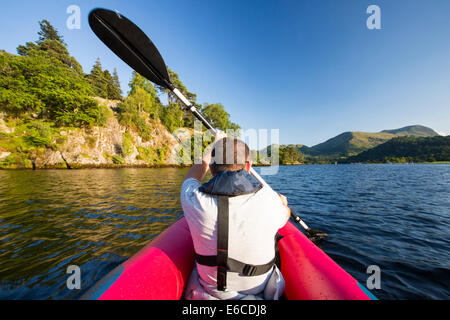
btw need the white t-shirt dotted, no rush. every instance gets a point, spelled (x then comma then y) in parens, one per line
(253, 223)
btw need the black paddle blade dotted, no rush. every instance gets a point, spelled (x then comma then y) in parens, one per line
(130, 44)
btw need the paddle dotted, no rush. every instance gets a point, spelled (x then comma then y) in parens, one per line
(133, 46)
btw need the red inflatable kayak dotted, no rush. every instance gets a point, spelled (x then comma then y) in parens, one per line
(161, 270)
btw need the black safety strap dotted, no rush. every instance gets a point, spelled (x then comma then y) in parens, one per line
(233, 265)
(221, 260)
(222, 241)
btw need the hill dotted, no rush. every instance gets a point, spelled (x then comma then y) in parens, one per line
(416, 131)
(343, 145)
(354, 142)
(406, 149)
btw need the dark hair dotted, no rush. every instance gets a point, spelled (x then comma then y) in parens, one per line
(226, 148)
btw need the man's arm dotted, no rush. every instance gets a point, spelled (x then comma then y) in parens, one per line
(198, 171)
(285, 203)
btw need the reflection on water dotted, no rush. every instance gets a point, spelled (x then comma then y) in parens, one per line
(393, 216)
(90, 218)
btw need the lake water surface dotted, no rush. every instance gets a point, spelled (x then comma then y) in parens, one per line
(394, 216)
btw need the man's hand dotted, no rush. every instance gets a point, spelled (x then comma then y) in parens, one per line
(284, 201)
(198, 171)
(219, 136)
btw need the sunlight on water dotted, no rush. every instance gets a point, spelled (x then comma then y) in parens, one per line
(393, 216)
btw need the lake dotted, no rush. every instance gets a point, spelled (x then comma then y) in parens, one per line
(394, 216)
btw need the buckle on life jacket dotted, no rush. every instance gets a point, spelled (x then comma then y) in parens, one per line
(249, 270)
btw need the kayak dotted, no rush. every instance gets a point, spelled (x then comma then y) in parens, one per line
(162, 268)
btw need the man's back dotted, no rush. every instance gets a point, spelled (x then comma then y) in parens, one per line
(254, 220)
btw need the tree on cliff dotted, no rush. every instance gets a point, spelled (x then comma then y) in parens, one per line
(104, 84)
(218, 117)
(51, 45)
(139, 81)
(98, 80)
(46, 81)
(116, 91)
(48, 32)
(113, 90)
(188, 118)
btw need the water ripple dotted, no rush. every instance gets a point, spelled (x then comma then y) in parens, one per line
(393, 216)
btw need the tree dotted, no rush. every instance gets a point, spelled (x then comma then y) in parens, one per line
(50, 43)
(116, 91)
(139, 81)
(172, 117)
(113, 90)
(135, 109)
(289, 154)
(98, 80)
(48, 88)
(175, 79)
(218, 117)
(48, 32)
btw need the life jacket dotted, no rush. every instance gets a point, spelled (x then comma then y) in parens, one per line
(224, 185)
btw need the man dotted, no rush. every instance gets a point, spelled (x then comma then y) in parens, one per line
(233, 221)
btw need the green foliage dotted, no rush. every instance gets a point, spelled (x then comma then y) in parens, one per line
(48, 32)
(172, 117)
(407, 149)
(127, 144)
(132, 111)
(15, 160)
(44, 88)
(118, 160)
(138, 81)
(218, 117)
(114, 91)
(98, 81)
(152, 156)
(289, 154)
(28, 140)
(51, 45)
(104, 84)
(38, 134)
(175, 78)
(105, 114)
(41, 83)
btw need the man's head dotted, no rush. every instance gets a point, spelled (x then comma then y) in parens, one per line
(230, 154)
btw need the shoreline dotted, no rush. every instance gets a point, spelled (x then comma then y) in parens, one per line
(179, 166)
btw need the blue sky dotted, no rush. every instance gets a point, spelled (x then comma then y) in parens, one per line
(309, 68)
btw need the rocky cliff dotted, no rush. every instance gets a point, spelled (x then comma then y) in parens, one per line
(111, 145)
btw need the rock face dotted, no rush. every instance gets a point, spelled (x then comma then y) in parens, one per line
(3, 127)
(104, 147)
(4, 155)
(112, 145)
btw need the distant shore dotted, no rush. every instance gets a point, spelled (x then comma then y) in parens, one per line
(160, 166)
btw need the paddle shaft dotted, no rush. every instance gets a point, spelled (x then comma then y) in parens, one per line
(253, 172)
(133, 46)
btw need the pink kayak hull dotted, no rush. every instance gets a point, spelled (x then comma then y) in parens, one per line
(161, 270)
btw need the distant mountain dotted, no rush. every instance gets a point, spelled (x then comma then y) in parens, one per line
(351, 143)
(406, 149)
(354, 142)
(416, 131)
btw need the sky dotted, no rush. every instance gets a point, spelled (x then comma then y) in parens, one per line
(311, 69)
